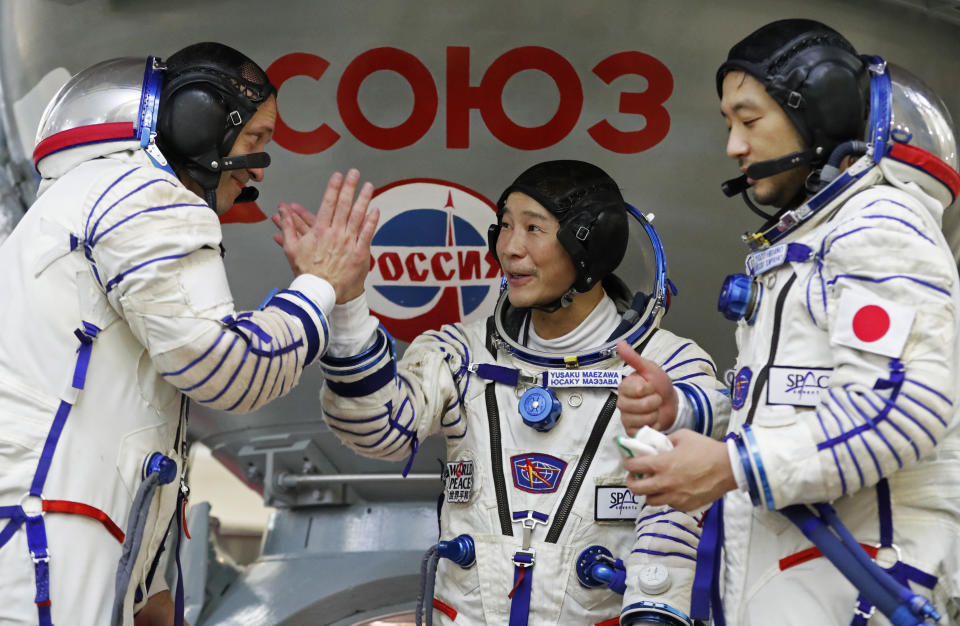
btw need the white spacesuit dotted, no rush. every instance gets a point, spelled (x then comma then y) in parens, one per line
(845, 385)
(117, 310)
(535, 502)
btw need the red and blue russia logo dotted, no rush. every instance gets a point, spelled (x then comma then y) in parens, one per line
(537, 473)
(429, 262)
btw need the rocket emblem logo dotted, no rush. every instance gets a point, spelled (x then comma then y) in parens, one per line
(537, 473)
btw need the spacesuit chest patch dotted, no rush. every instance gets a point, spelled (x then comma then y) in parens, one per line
(614, 503)
(458, 481)
(537, 473)
(763, 261)
(797, 386)
(741, 385)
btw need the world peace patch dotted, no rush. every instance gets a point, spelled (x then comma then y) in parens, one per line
(537, 473)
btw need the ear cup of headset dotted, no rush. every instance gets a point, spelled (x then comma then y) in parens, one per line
(192, 120)
(836, 102)
(597, 250)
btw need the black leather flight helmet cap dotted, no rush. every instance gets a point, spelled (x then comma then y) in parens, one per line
(210, 92)
(813, 73)
(592, 214)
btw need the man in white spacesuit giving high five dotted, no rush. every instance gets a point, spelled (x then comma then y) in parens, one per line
(526, 401)
(117, 311)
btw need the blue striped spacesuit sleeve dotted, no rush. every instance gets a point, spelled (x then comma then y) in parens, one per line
(154, 248)
(383, 408)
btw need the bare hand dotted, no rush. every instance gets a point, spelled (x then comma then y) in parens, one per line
(335, 244)
(646, 397)
(695, 473)
(158, 611)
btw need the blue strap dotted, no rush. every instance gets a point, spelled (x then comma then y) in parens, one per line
(509, 376)
(537, 515)
(46, 457)
(520, 605)
(414, 448)
(37, 543)
(885, 513)
(86, 335)
(12, 527)
(706, 580)
(619, 582)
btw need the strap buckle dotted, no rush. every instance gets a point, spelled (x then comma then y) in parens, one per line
(31, 505)
(857, 611)
(44, 558)
(524, 557)
(886, 563)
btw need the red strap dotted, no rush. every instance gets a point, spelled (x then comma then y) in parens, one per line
(111, 131)
(814, 553)
(445, 608)
(523, 572)
(77, 508)
(929, 163)
(183, 512)
(613, 621)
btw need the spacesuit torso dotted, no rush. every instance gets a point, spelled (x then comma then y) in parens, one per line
(118, 254)
(844, 392)
(566, 485)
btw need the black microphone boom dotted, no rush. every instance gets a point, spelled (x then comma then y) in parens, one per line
(765, 169)
(245, 161)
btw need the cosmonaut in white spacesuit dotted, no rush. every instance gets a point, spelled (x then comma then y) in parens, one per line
(534, 519)
(117, 310)
(845, 386)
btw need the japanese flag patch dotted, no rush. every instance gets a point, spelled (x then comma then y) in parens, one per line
(871, 323)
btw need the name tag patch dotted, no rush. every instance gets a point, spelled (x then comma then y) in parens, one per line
(458, 481)
(763, 261)
(797, 386)
(582, 378)
(615, 503)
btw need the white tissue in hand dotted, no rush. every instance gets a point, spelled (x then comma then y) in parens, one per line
(646, 441)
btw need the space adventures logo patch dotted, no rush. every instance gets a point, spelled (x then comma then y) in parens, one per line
(429, 262)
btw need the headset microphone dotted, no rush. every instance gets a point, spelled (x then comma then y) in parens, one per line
(765, 169)
(249, 194)
(734, 186)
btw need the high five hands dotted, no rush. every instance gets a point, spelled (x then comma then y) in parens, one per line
(334, 244)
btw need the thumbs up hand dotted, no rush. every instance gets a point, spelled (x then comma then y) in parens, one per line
(647, 397)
